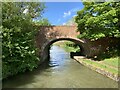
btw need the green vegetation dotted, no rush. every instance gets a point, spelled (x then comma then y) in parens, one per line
(99, 19)
(110, 65)
(42, 22)
(71, 22)
(112, 61)
(18, 32)
(68, 46)
(95, 21)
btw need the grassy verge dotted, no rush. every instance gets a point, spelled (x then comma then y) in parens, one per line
(103, 67)
(113, 61)
(110, 65)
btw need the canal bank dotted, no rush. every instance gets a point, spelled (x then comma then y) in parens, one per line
(107, 67)
(84, 61)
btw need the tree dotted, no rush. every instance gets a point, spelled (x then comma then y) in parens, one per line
(71, 21)
(99, 19)
(42, 22)
(18, 44)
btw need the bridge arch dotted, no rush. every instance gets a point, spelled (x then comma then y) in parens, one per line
(49, 34)
(46, 47)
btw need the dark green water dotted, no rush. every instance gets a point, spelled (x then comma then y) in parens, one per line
(60, 72)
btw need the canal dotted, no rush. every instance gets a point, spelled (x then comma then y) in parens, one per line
(60, 72)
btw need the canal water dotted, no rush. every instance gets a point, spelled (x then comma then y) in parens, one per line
(60, 72)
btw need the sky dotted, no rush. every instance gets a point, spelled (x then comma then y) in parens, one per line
(58, 13)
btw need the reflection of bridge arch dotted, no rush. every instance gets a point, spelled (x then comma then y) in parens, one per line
(46, 46)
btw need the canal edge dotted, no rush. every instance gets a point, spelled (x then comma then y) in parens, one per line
(97, 69)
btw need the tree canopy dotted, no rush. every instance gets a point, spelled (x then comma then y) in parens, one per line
(42, 22)
(18, 32)
(99, 19)
(71, 21)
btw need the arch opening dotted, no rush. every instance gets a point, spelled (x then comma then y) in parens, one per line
(46, 49)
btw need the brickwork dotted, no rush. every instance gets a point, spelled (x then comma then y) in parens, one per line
(47, 33)
(50, 34)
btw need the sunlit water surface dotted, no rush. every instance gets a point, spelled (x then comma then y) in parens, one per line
(60, 72)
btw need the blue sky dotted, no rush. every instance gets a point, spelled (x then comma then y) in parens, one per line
(60, 12)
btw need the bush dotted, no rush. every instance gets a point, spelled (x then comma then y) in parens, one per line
(18, 44)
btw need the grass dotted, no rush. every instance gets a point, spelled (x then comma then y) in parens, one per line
(113, 61)
(104, 65)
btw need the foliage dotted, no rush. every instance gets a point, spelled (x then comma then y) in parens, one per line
(69, 46)
(19, 51)
(111, 53)
(71, 21)
(99, 19)
(42, 22)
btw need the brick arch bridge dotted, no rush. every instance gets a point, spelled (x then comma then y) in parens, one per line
(47, 35)
(50, 34)
(46, 47)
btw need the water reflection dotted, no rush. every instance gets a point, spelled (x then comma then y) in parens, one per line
(60, 72)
